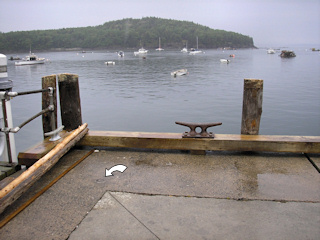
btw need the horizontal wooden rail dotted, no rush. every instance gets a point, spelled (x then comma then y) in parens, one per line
(221, 142)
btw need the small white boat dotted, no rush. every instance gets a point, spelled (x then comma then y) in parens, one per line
(185, 49)
(195, 51)
(110, 63)
(121, 54)
(31, 59)
(179, 72)
(141, 51)
(224, 60)
(271, 51)
(159, 48)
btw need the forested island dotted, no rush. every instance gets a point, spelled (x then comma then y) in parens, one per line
(125, 34)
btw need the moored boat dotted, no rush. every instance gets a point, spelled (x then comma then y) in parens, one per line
(141, 51)
(179, 72)
(110, 63)
(271, 51)
(185, 49)
(159, 48)
(224, 60)
(14, 58)
(195, 51)
(31, 59)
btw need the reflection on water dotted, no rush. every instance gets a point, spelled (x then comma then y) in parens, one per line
(139, 94)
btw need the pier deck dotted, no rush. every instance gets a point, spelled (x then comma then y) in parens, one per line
(173, 195)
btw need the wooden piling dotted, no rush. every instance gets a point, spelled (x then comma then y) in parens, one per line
(252, 106)
(49, 81)
(70, 101)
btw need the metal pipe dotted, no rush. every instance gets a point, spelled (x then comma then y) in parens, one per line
(53, 122)
(6, 128)
(55, 136)
(5, 120)
(35, 116)
(31, 92)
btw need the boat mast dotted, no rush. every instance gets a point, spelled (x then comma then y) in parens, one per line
(197, 43)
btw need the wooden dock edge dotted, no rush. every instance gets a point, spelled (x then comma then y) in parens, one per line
(34, 153)
(221, 142)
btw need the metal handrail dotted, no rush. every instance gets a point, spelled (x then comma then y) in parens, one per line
(14, 94)
(50, 108)
(6, 95)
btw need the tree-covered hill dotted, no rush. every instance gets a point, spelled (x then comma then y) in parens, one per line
(123, 34)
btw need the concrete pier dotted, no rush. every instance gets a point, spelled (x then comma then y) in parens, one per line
(173, 195)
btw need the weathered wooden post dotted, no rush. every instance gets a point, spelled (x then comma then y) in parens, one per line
(70, 101)
(252, 106)
(48, 121)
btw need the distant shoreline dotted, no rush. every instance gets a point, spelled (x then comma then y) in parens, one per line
(81, 50)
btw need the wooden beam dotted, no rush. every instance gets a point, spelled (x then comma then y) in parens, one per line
(14, 189)
(34, 153)
(221, 142)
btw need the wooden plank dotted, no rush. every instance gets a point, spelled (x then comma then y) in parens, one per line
(43, 190)
(34, 153)
(49, 119)
(19, 185)
(221, 142)
(4, 182)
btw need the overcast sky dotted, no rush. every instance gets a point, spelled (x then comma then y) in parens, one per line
(270, 23)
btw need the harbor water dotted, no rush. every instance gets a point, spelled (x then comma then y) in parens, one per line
(139, 94)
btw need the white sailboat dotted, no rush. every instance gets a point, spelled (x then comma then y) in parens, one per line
(185, 49)
(159, 49)
(195, 51)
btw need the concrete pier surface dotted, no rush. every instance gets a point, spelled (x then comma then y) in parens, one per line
(173, 195)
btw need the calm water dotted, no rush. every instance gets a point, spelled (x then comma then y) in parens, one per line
(140, 95)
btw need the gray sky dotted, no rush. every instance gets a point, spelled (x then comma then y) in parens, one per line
(271, 23)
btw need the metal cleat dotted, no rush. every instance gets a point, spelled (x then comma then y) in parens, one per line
(54, 134)
(194, 134)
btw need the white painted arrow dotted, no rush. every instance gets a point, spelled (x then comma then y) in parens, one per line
(119, 168)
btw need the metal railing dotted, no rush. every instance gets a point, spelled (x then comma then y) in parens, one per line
(6, 95)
